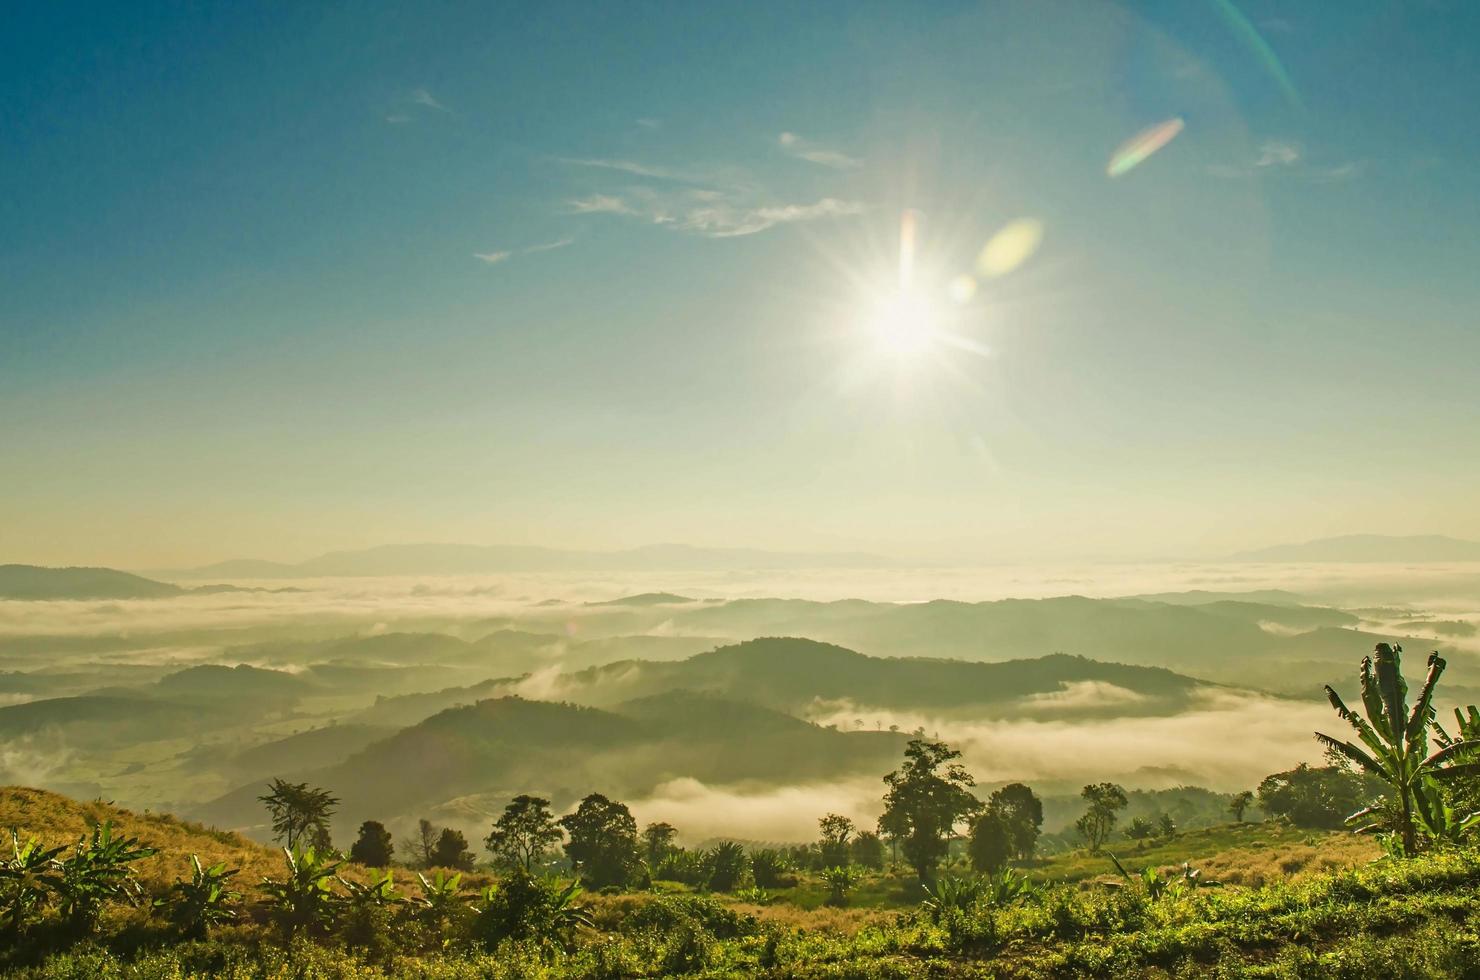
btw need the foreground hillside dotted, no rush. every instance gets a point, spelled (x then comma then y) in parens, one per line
(1413, 919)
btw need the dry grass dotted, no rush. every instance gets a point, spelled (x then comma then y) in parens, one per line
(1256, 867)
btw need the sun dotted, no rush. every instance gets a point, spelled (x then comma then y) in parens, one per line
(904, 324)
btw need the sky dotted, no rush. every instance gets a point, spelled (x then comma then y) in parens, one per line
(277, 279)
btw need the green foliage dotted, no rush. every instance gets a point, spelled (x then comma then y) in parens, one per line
(658, 840)
(926, 798)
(1395, 742)
(603, 841)
(868, 850)
(840, 881)
(302, 900)
(195, 906)
(300, 814)
(1139, 829)
(727, 864)
(524, 834)
(1315, 797)
(27, 877)
(524, 908)
(991, 844)
(1105, 801)
(373, 847)
(771, 868)
(440, 905)
(835, 832)
(367, 910)
(1240, 803)
(451, 851)
(1021, 815)
(95, 873)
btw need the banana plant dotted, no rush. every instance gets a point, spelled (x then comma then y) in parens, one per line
(26, 878)
(1395, 742)
(440, 902)
(97, 872)
(303, 899)
(203, 901)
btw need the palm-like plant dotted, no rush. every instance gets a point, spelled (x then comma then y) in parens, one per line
(840, 880)
(1396, 740)
(203, 901)
(25, 879)
(303, 899)
(97, 872)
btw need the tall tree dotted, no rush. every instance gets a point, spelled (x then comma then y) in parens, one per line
(868, 850)
(926, 798)
(657, 841)
(451, 851)
(1105, 801)
(603, 841)
(1240, 803)
(373, 848)
(525, 833)
(835, 831)
(1395, 742)
(1022, 816)
(991, 845)
(300, 814)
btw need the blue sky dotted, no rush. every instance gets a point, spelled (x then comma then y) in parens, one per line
(282, 278)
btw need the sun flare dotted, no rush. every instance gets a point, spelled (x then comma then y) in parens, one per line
(904, 324)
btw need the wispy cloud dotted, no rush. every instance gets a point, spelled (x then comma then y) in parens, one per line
(648, 122)
(823, 156)
(503, 255)
(423, 97)
(1278, 157)
(708, 212)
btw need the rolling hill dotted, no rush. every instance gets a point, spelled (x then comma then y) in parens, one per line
(36, 582)
(1369, 548)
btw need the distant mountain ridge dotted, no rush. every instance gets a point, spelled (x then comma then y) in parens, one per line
(467, 559)
(41, 583)
(1369, 548)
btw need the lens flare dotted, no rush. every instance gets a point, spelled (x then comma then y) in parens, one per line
(1138, 148)
(961, 289)
(1013, 245)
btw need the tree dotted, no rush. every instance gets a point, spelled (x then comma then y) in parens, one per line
(1396, 741)
(1239, 804)
(425, 841)
(451, 851)
(868, 850)
(835, 831)
(991, 844)
(1166, 826)
(603, 841)
(525, 833)
(927, 797)
(1318, 798)
(1139, 829)
(1105, 801)
(657, 842)
(373, 848)
(300, 814)
(1022, 814)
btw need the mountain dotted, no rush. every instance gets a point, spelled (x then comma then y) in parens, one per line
(1369, 548)
(36, 582)
(463, 559)
(801, 676)
(498, 748)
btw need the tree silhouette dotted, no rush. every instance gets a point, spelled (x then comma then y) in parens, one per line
(300, 814)
(525, 833)
(373, 848)
(603, 841)
(1022, 816)
(657, 839)
(991, 845)
(1105, 801)
(927, 797)
(1239, 804)
(451, 851)
(836, 831)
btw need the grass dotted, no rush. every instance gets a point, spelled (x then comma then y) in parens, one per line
(1234, 854)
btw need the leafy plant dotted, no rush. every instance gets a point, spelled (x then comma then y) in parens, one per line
(203, 901)
(727, 865)
(439, 903)
(524, 908)
(97, 872)
(367, 910)
(26, 878)
(951, 893)
(1396, 745)
(840, 880)
(769, 868)
(303, 899)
